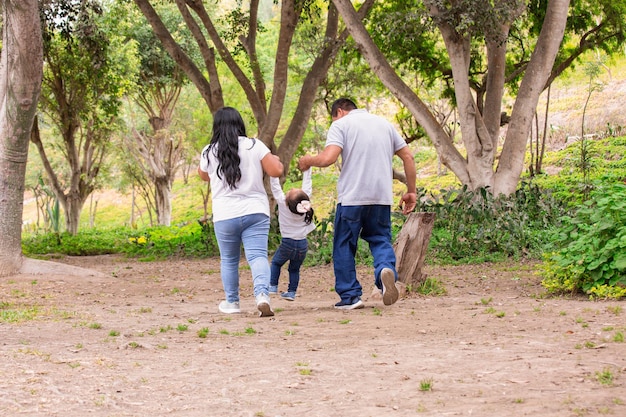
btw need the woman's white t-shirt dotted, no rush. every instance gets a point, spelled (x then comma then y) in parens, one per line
(250, 196)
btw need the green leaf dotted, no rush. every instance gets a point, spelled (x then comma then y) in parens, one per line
(620, 261)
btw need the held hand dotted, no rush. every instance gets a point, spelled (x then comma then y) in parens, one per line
(408, 203)
(303, 164)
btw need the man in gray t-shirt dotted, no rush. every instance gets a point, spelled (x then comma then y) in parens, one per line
(367, 144)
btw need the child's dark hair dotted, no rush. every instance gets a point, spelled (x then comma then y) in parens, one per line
(300, 204)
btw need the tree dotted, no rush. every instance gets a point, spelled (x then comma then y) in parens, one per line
(86, 74)
(456, 28)
(21, 67)
(477, 39)
(237, 48)
(157, 149)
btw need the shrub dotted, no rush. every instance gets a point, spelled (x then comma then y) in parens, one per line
(190, 240)
(85, 243)
(591, 247)
(475, 226)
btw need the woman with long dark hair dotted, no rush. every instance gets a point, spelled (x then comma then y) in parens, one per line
(234, 165)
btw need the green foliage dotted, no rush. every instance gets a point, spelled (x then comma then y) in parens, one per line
(87, 242)
(475, 226)
(591, 247)
(604, 158)
(321, 241)
(53, 214)
(191, 240)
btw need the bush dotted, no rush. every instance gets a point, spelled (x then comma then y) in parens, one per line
(475, 226)
(190, 240)
(86, 243)
(591, 247)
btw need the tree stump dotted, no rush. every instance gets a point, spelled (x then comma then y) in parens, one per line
(411, 246)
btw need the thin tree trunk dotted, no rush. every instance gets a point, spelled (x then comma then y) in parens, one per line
(545, 133)
(163, 201)
(72, 208)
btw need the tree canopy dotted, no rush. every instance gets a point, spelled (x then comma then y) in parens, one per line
(478, 51)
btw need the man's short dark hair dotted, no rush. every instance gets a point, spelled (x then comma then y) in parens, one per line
(343, 104)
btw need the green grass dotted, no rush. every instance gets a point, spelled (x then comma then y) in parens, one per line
(605, 377)
(426, 384)
(10, 313)
(431, 286)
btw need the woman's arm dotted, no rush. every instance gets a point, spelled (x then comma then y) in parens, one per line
(203, 175)
(271, 165)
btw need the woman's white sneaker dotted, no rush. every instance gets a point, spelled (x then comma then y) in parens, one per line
(229, 308)
(263, 305)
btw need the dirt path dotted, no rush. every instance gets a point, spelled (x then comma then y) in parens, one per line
(128, 343)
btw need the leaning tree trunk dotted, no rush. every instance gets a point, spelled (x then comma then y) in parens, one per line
(21, 72)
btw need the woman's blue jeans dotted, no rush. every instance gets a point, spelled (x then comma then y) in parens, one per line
(291, 250)
(372, 224)
(251, 230)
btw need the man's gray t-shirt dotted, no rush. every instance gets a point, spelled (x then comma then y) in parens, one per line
(368, 143)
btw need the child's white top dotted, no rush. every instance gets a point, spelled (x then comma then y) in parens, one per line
(292, 226)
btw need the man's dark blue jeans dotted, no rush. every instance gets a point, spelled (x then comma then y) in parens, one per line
(373, 224)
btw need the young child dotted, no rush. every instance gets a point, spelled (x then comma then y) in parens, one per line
(295, 216)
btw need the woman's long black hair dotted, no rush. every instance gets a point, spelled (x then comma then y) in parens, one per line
(227, 127)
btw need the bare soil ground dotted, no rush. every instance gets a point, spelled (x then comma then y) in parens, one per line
(127, 342)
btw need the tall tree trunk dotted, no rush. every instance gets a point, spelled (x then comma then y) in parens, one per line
(542, 59)
(21, 72)
(476, 138)
(312, 81)
(496, 62)
(479, 135)
(449, 155)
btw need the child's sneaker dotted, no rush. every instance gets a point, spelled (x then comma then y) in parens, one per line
(289, 295)
(273, 289)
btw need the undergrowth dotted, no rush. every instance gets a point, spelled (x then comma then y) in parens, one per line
(591, 255)
(475, 226)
